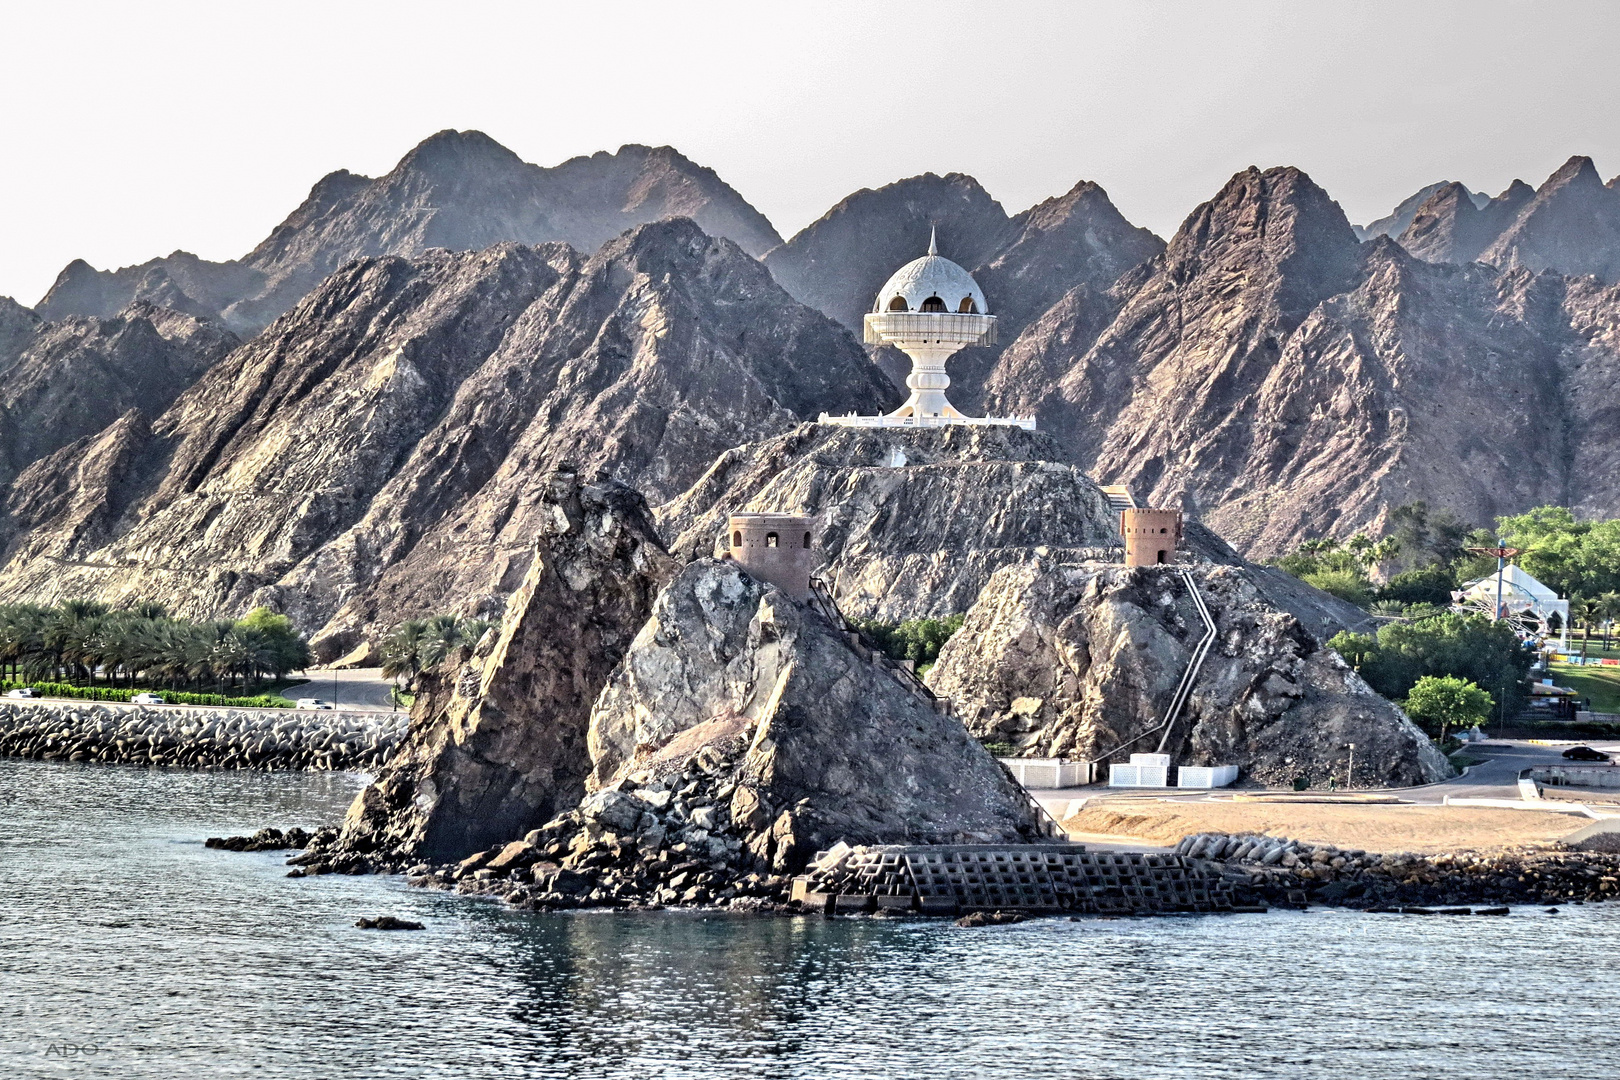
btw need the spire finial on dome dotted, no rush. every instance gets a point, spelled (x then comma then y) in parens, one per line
(933, 246)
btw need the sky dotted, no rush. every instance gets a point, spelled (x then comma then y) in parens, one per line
(134, 130)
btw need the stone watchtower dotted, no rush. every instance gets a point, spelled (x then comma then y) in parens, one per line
(775, 548)
(1151, 536)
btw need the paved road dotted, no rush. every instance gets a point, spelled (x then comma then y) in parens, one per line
(361, 689)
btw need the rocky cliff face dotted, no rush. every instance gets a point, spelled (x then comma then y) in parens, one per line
(832, 745)
(500, 747)
(458, 190)
(74, 377)
(1082, 659)
(916, 523)
(379, 451)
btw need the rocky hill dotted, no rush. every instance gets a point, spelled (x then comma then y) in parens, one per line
(459, 190)
(1081, 660)
(70, 379)
(916, 523)
(379, 451)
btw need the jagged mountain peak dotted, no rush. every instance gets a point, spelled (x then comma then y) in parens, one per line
(457, 149)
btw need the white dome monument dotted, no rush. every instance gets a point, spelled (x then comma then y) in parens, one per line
(929, 309)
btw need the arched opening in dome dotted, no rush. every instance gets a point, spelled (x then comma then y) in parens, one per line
(933, 303)
(807, 541)
(736, 539)
(898, 304)
(967, 306)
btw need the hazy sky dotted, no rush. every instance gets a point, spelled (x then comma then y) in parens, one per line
(133, 129)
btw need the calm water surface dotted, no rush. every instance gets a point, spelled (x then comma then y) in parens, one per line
(127, 949)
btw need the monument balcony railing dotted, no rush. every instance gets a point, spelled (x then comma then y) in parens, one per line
(885, 326)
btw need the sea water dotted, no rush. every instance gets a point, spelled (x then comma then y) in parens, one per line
(129, 950)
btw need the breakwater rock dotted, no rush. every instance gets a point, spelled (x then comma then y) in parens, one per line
(1287, 871)
(215, 738)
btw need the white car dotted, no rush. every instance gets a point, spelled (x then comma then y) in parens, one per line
(26, 691)
(312, 703)
(147, 699)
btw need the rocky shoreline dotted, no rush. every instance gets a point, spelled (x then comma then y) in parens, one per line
(546, 873)
(276, 740)
(1290, 873)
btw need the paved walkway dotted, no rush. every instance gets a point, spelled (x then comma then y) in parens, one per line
(1497, 777)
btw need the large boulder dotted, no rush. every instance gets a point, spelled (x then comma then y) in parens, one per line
(1081, 660)
(825, 741)
(500, 746)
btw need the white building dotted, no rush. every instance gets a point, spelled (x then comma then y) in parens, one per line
(929, 309)
(1523, 598)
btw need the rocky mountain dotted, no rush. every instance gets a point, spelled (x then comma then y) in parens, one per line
(1280, 380)
(74, 377)
(459, 190)
(1396, 221)
(1081, 660)
(379, 451)
(17, 328)
(916, 523)
(1571, 226)
(1453, 226)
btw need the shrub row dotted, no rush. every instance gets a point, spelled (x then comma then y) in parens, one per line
(172, 697)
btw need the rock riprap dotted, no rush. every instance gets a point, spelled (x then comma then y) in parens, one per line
(499, 746)
(1081, 660)
(271, 739)
(1293, 871)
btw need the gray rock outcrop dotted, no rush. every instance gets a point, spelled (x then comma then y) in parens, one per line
(499, 746)
(831, 745)
(1081, 660)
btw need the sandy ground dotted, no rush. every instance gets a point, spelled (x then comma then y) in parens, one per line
(1380, 828)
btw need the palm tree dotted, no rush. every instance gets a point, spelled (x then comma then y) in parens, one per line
(1608, 611)
(1583, 610)
(402, 652)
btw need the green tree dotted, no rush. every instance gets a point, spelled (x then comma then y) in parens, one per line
(1431, 584)
(1466, 646)
(1448, 701)
(1355, 648)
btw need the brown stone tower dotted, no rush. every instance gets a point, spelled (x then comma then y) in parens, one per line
(775, 548)
(1151, 536)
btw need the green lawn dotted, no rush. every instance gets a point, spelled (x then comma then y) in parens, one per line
(1594, 647)
(1602, 685)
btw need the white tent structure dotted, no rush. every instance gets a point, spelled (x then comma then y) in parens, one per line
(1523, 599)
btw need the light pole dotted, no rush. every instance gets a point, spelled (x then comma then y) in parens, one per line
(1350, 772)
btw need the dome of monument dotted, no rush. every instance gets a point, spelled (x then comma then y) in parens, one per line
(932, 283)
